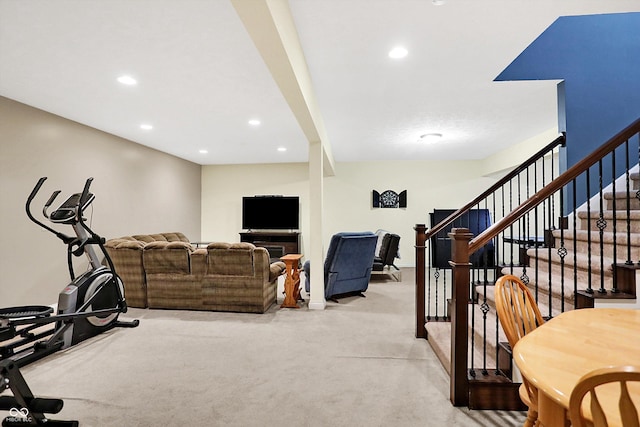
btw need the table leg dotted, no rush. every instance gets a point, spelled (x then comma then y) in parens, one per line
(550, 413)
(291, 285)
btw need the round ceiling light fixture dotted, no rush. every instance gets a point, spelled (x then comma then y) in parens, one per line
(438, 2)
(431, 137)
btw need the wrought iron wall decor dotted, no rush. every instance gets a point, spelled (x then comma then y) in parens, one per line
(389, 199)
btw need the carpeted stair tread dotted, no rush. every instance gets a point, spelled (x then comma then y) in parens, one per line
(581, 259)
(590, 219)
(621, 198)
(621, 237)
(439, 336)
(542, 301)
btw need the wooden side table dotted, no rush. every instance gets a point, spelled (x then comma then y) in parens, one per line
(292, 281)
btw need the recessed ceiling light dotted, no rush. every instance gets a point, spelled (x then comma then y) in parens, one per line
(127, 80)
(438, 2)
(281, 149)
(254, 122)
(430, 137)
(398, 52)
(146, 126)
(204, 151)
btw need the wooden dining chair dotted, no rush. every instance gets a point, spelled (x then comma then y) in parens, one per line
(590, 382)
(519, 314)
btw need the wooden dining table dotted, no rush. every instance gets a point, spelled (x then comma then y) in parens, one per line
(558, 353)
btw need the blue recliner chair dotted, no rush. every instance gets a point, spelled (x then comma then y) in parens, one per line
(348, 264)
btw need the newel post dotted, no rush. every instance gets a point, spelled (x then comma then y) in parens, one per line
(459, 391)
(420, 269)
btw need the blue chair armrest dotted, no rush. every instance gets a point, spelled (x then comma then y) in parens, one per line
(307, 275)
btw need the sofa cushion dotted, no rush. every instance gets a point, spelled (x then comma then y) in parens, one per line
(175, 237)
(232, 259)
(123, 243)
(148, 238)
(167, 257)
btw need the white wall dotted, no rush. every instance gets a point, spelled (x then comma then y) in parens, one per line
(138, 190)
(348, 195)
(503, 161)
(223, 187)
(429, 184)
(347, 199)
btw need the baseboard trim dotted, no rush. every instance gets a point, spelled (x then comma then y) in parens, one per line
(317, 305)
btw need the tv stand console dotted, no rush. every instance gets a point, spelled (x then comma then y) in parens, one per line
(278, 243)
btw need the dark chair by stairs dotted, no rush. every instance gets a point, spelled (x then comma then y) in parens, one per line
(624, 411)
(386, 257)
(477, 221)
(518, 314)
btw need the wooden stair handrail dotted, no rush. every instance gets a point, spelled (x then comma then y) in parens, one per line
(457, 214)
(554, 186)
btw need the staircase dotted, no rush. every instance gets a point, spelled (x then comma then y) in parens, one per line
(561, 298)
(585, 256)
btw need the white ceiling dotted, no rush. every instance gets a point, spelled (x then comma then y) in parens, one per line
(201, 78)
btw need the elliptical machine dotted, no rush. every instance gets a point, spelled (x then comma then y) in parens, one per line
(87, 306)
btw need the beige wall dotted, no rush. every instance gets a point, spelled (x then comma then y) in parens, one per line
(138, 190)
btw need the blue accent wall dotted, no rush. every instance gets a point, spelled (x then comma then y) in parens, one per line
(597, 57)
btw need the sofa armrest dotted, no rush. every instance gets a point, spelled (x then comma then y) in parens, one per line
(199, 262)
(276, 270)
(126, 254)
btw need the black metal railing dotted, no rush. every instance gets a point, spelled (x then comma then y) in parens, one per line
(565, 250)
(495, 202)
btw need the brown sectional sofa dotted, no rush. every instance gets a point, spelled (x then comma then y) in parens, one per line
(166, 271)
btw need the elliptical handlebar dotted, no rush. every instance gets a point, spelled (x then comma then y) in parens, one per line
(66, 239)
(83, 198)
(49, 202)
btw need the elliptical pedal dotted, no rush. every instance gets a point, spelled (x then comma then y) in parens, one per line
(25, 311)
(24, 408)
(19, 421)
(37, 404)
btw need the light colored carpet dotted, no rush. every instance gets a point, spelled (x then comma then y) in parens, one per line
(357, 363)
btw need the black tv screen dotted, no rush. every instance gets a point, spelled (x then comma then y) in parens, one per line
(270, 213)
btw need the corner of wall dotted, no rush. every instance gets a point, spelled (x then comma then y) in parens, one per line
(497, 164)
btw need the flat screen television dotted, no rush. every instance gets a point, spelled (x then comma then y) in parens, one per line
(271, 213)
